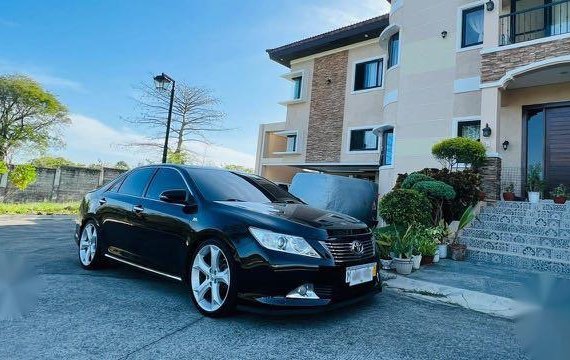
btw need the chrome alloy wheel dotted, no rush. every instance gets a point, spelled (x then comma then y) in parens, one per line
(88, 244)
(210, 278)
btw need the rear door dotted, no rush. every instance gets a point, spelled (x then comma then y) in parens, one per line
(166, 227)
(122, 218)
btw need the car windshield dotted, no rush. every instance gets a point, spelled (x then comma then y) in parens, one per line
(220, 185)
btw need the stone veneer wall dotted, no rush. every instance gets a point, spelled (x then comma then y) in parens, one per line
(491, 179)
(495, 65)
(324, 140)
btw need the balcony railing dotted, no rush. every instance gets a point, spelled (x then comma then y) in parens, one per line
(535, 23)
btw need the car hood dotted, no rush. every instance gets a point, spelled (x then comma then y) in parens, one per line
(300, 213)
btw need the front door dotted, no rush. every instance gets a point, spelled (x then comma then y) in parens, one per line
(557, 167)
(548, 143)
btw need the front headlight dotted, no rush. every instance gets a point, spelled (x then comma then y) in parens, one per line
(285, 243)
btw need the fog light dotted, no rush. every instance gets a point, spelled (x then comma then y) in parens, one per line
(305, 291)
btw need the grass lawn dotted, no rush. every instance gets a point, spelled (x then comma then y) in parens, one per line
(40, 208)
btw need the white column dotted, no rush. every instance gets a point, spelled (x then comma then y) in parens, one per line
(490, 114)
(491, 25)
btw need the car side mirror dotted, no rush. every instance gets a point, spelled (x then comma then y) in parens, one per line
(174, 196)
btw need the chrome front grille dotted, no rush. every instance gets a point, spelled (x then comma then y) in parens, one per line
(343, 250)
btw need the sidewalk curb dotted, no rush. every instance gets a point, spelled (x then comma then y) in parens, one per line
(473, 300)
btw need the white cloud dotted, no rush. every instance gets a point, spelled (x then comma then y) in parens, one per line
(88, 140)
(343, 13)
(41, 75)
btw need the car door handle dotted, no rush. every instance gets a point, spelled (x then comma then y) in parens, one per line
(137, 209)
(102, 201)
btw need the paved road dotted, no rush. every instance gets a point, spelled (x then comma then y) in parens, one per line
(120, 313)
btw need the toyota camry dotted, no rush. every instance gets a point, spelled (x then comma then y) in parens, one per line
(235, 239)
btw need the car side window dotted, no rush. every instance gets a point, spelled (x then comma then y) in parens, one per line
(165, 179)
(136, 181)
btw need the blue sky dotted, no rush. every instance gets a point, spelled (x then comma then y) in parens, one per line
(91, 53)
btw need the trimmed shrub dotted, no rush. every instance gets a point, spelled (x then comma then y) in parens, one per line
(435, 189)
(404, 207)
(413, 179)
(466, 184)
(451, 152)
(3, 167)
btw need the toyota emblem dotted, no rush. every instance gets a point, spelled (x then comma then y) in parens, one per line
(357, 247)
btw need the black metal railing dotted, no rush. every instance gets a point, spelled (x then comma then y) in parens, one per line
(535, 23)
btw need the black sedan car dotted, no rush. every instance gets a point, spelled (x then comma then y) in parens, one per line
(236, 239)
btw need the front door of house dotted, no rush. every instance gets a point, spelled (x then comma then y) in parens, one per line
(548, 143)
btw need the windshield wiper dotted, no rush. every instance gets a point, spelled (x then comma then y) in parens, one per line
(235, 200)
(287, 201)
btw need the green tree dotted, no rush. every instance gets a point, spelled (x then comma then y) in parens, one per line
(52, 162)
(29, 115)
(239, 168)
(122, 165)
(3, 167)
(22, 176)
(453, 151)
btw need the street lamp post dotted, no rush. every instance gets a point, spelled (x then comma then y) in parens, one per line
(162, 82)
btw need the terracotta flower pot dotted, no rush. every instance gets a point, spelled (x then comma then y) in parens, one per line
(458, 251)
(508, 196)
(426, 260)
(560, 200)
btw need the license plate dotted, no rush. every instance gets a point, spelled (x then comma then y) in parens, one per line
(360, 274)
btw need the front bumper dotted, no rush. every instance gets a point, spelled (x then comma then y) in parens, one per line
(268, 292)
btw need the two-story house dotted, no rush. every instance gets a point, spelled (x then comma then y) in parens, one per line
(369, 100)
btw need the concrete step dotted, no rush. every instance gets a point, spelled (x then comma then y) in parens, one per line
(518, 261)
(550, 215)
(523, 239)
(540, 221)
(532, 252)
(553, 232)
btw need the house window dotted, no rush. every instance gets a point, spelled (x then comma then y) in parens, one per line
(387, 157)
(368, 75)
(469, 129)
(472, 27)
(291, 143)
(297, 84)
(363, 140)
(393, 50)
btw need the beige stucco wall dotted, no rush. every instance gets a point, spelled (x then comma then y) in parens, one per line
(362, 108)
(279, 174)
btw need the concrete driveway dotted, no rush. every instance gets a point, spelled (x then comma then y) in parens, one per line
(119, 313)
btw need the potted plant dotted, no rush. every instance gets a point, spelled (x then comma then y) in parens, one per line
(559, 194)
(428, 249)
(458, 250)
(534, 183)
(436, 257)
(440, 234)
(509, 193)
(402, 249)
(384, 243)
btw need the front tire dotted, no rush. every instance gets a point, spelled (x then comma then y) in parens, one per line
(90, 254)
(212, 278)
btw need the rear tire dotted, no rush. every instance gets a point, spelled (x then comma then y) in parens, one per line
(90, 252)
(212, 278)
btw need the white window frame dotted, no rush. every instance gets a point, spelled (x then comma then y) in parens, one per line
(456, 121)
(290, 76)
(348, 138)
(399, 32)
(284, 134)
(459, 32)
(353, 79)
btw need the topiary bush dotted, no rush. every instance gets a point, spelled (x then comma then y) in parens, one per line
(453, 151)
(413, 179)
(435, 189)
(3, 167)
(466, 184)
(404, 207)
